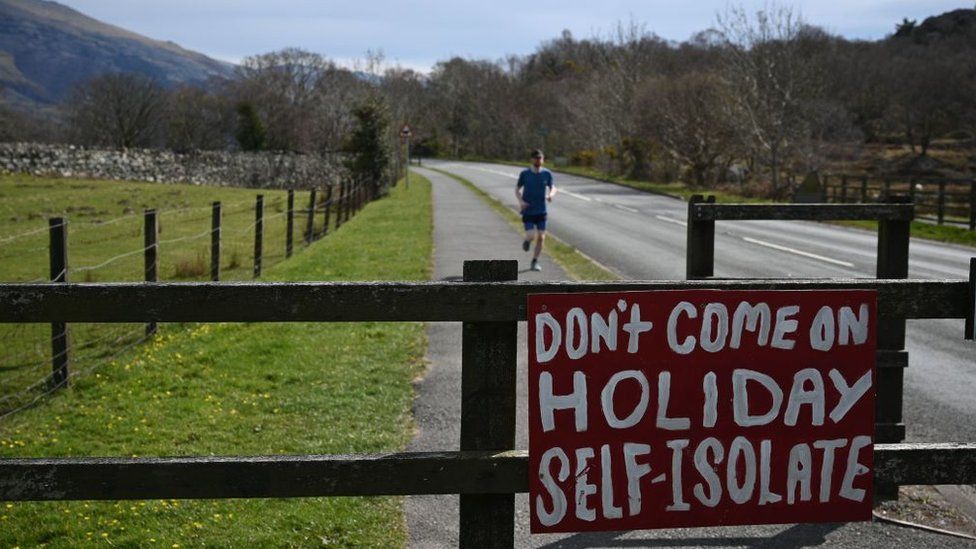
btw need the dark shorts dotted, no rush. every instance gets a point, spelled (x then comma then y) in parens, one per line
(535, 221)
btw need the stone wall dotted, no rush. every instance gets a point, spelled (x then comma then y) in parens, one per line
(234, 169)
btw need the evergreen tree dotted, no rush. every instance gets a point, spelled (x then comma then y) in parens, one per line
(368, 146)
(250, 131)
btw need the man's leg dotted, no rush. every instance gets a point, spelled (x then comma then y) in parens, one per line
(540, 239)
(530, 235)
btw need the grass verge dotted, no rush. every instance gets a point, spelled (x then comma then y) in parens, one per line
(574, 262)
(246, 389)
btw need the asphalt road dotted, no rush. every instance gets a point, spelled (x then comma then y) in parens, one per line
(642, 236)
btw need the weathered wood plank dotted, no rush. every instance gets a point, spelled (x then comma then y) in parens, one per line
(489, 352)
(366, 475)
(809, 212)
(400, 301)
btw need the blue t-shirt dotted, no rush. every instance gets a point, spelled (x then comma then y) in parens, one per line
(533, 187)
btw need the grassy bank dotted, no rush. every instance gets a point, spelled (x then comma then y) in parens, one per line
(246, 389)
(574, 262)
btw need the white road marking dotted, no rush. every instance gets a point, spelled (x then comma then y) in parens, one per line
(798, 252)
(626, 208)
(672, 220)
(496, 172)
(576, 195)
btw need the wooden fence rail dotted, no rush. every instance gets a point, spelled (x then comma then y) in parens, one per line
(938, 199)
(404, 301)
(415, 473)
(894, 231)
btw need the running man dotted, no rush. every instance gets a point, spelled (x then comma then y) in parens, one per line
(535, 187)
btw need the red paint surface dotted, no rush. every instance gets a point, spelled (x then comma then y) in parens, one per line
(687, 400)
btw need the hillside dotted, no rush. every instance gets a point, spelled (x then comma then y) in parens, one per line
(47, 48)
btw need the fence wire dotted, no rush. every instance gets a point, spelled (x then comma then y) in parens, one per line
(26, 374)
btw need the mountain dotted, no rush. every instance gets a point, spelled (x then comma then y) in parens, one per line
(958, 25)
(46, 49)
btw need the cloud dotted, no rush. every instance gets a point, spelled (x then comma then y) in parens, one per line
(419, 33)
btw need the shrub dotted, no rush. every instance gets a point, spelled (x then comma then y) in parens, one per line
(191, 268)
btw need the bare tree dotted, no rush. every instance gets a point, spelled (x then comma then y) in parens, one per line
(198, 120)
(692, 117)
(767, 62)
(119, 110)
(292, 89)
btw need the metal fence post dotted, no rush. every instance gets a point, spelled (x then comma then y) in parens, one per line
(310, 221)
(488, 400)
(700, 254)
(215, 242)
(290, 224)
(151, 257)
(60, 336)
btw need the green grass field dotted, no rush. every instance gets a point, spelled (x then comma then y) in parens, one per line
(105, 244)
(243, 389)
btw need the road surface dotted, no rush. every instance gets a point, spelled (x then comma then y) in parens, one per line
(642, 236)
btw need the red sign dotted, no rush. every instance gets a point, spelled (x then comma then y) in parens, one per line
(701, 407)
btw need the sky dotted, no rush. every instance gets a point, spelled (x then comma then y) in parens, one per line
(417, 34)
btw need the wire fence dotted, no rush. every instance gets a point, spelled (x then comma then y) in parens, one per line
(177, 244)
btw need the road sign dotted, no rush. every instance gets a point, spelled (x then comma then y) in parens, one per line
(699, 408)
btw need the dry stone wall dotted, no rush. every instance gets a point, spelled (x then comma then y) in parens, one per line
(234, 169)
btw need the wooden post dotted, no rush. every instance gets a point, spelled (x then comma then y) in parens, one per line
(843, 189)
(911, 189)
(340, 204)
(60, 336)
(151, 257)
(972, 205)
(215, 242)
(940, 211)
(488, 403)
(864, 188)
(893, 242)
(824, 185)
(290, 228)
(310, 221)
(700, 254)
(969, 332)
(258, 233)
(887, 189)
(327, 208)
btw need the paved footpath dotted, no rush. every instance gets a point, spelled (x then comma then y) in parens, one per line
(466, 228)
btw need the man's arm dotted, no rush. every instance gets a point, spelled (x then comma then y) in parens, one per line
(518, 194)
(551, 190)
